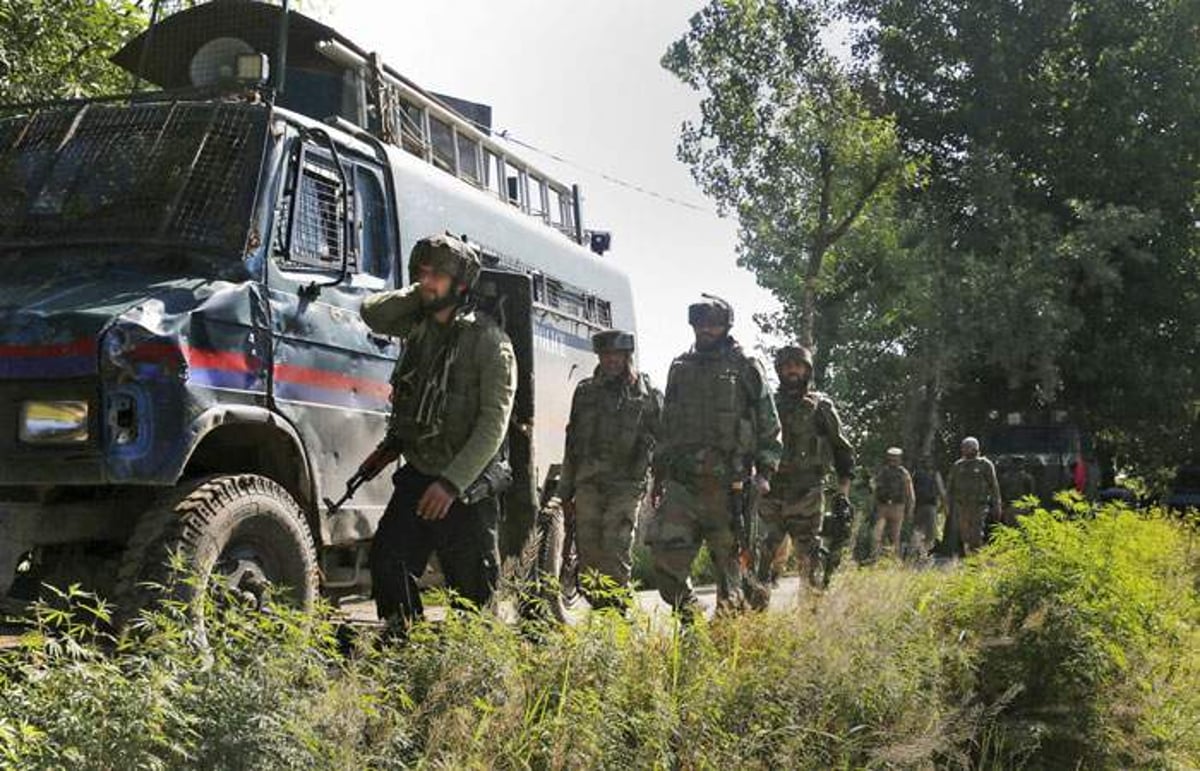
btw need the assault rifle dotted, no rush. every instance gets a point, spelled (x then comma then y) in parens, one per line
(835, 535)
(379, 459)
(744, 522)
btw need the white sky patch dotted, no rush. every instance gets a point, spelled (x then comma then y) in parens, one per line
(582, 79)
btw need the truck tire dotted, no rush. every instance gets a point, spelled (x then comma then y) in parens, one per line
(244, 527)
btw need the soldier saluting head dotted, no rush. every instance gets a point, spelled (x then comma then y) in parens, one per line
(452, 396)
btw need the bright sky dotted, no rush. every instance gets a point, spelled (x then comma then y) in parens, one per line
(582, 79)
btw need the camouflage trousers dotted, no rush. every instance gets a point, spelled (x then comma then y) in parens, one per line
(798, 518)
(605, 520)
(690, 515)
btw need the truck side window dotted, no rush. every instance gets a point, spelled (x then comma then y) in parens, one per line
(311, 217)
(377, 253)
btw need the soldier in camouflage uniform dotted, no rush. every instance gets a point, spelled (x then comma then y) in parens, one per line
(610, 441)
(813, 445)
(973, 495)
(452, 396)
(719, 427)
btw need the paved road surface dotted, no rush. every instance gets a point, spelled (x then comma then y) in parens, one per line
(784, 596)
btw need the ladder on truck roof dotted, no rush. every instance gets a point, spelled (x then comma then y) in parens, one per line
(325, 75)
(423, 125)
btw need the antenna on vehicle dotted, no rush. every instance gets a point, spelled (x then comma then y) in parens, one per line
(281, 50)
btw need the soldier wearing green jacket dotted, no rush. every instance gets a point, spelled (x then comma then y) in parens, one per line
(719, 427)
(452, 395)
(606, 463)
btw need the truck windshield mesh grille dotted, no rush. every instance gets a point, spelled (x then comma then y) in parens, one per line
(180, 173)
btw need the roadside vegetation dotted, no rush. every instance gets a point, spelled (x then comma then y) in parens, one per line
(1073, 641)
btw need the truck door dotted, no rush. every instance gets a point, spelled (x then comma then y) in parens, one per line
(508, 298)
(330, 375)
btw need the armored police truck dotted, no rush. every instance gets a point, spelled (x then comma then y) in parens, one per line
(182, 362)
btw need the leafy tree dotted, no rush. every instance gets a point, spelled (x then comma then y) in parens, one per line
(787, 141)
(1061, 140)
(60, 49)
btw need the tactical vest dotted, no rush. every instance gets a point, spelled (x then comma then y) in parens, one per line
(607, 430)
(707, 417)
(889, 485)
(461, 394)
(806, 453)
(925, 488)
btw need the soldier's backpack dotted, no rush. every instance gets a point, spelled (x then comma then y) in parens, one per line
(889, 485)
(925, 487)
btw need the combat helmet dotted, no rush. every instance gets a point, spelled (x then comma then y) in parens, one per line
(712, 309)
(612, 340)
(450, 255)
(793, 353)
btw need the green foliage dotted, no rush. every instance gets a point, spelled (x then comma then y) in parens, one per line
(1053, 237)
(1071, 642)
(787, 140)
(1032, 232)
(1080, 620)
(52, 50)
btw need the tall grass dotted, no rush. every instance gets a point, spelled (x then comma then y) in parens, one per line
(1071, 642)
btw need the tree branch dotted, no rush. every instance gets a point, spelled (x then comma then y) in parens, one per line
(868, 193)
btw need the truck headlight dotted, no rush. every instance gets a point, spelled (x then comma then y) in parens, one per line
(54, 422)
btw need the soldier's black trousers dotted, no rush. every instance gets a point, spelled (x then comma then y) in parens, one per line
(465, 541)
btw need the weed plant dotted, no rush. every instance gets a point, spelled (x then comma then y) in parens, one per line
(1073, 641)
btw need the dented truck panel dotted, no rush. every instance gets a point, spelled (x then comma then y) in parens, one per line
(188, 276)
(332, 382)
(151, 352)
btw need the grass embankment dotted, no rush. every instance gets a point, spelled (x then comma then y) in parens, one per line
(1069, 643)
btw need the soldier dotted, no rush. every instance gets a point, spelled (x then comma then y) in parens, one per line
(813, 443)
(1015, 483)
(610, 441)
(719, 432)
(452, 396)
(973, 494)
(894, 501)
(929, 492)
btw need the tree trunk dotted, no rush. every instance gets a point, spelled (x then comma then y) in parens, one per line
(818, 246)
(924, 409)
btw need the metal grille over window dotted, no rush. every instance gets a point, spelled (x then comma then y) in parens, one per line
(169, 173)
(317, 231)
